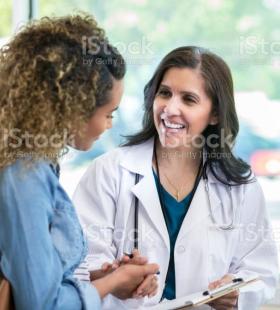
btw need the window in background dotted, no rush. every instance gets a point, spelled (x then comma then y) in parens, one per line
(13, 15)
(5, 20)
(244, 34)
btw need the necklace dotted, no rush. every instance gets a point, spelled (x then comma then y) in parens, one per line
(198, 176)
(177, 191)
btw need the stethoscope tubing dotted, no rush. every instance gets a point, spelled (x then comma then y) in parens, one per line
(225, 227)
(229, 226)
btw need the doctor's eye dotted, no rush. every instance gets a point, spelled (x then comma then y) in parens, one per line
(110, 116)
(189, 100)
(164, 93)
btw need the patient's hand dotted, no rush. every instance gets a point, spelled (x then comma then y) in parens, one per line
(150, 284)
(124, 280)
(106, 268)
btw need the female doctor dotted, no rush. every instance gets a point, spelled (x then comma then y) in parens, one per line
(197, 209)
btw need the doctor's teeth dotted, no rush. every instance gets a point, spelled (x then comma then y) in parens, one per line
(173, 125)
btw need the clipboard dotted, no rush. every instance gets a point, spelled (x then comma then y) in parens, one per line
(201, 298)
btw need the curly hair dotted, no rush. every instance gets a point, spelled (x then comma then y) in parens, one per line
(53, 75)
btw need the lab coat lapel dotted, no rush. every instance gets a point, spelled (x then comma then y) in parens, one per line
(139, 160)
(199, 209)
(146, 192)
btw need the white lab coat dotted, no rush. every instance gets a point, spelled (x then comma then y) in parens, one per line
(105, 204)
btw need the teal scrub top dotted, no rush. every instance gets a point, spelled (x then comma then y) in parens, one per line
(175, 213)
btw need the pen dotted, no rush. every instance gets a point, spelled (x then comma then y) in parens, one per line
(131, 256)
(237, 280)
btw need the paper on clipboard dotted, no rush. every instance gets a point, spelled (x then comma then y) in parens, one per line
(201, 298)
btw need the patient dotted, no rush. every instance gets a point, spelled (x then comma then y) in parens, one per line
(50, 97)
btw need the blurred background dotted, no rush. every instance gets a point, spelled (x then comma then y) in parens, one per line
(245, 34)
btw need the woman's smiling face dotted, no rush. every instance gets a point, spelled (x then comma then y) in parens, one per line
(182, 110)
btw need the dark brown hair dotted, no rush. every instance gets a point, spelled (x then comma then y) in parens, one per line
(219, 88)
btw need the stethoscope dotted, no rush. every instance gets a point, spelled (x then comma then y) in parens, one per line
(228, 226)
(223, 227)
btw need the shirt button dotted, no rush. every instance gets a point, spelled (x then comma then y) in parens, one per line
(181, 249)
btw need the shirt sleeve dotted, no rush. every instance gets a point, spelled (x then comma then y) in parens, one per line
(29, 259)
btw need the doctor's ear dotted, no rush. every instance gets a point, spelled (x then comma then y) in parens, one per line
(214, 118)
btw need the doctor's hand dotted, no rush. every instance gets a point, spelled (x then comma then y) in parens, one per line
(123, 282)
(134, 258)
(107, 268)
(227, 302)
(149, 286)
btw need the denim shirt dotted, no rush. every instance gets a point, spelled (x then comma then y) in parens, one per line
(41, 241)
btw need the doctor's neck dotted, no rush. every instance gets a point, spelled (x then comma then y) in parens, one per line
(179, 157)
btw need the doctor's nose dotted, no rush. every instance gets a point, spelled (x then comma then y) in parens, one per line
(172, 107)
